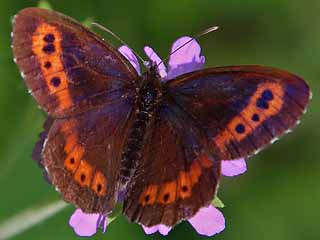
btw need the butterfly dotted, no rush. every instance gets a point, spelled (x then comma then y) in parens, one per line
(112, 135)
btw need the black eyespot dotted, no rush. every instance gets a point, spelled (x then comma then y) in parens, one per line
(49, 38)
(166, 197)
(147, 198)
(55, 81)
(255, 117)
(262, 103)
(99, 187)
(267, 95)
(240, 128)
(83, 177)
(185, 189)
(49, 48)
(47, 65)
(72, 160)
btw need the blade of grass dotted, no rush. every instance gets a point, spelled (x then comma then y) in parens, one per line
(28, 218)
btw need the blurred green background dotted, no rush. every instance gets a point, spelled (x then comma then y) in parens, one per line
(278, 198)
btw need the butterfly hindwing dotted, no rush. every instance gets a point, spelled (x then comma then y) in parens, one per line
(176, 176)
(82, 155)
(67, 68)
(242, 108)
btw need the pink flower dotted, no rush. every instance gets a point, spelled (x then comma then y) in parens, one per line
(209, 220)
(86, 225)
(232, 168)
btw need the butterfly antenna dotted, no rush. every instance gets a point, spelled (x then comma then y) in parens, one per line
(197, 36)
(103, 28)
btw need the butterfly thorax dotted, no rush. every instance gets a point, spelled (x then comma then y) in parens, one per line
(147, 99)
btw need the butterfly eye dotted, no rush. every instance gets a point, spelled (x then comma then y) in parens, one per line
(261, 103)
(83, 174)
(55, 81)
(267, 95)
(47, 65)
(49, 48)
(146, 198)
(240, 128)
(149, 195)
(185, 188)
(166, 197)
(49, 38)
(99, 184)
(73, 151)
(168, 193)
(72, 162)
(255, 117)
(83, 177)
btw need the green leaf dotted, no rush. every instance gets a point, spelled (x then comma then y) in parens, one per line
(115, 213)
(217, 202)
(44, 4)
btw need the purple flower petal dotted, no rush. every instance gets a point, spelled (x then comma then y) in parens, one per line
(129, 55)
(163, 229)
(102, 222)
(150, 230)
(153, 56)
(232, 168)
(86, 225)
(208, 221)
(186, 59)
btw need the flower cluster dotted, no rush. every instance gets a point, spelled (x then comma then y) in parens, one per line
(208, 220)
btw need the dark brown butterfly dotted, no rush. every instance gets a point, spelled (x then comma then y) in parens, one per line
(160, 144)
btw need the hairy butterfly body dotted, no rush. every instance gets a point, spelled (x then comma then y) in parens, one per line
(112, 133)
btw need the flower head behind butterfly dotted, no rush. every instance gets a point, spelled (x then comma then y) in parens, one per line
(209, 220)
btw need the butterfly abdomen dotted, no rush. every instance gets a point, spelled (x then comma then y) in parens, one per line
(148, 96)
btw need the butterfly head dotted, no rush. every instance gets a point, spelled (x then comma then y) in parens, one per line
(152, 73)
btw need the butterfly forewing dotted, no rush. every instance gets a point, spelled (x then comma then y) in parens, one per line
(242, 108)
(67, 68)
(88, 89)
